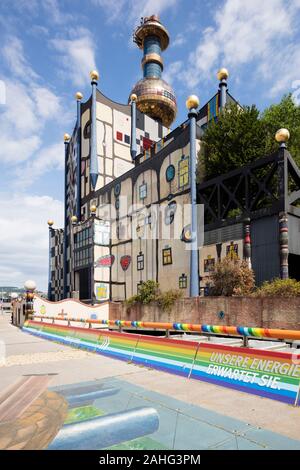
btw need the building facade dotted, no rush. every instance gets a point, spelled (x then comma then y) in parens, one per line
(128, 193)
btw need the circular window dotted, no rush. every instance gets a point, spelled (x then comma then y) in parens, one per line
(117, 189)
(170, 173)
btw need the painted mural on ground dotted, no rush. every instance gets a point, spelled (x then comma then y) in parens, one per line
(270, 374)
(71, 308)
(117, 415)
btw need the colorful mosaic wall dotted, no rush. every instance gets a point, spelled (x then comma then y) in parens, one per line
(269, 374)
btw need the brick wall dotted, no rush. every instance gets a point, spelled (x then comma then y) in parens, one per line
(273, 312)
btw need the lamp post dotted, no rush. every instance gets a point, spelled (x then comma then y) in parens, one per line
(93, 210)
(282, 136)
(79, 97)
(222, 77)
(93, 152)
(29, 287)
(133, 150)
(74, 221)
(192, 104)
(67, 138)
(50, 224)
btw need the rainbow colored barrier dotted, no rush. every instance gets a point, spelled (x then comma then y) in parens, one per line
(270, 374)
(213, 329)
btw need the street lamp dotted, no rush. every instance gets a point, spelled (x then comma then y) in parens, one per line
(29, 287)
(192, 104)
(50, 224)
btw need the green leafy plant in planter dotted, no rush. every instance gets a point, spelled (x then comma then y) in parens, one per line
(279, 288)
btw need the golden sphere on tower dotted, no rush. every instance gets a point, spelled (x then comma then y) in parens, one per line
(133, 97)
(192, 102)
(94, 75)
(223, 74)
(67, 137)
(74, 219)
(93, 209)
(282, 135)
(78, 96)
(50, 222)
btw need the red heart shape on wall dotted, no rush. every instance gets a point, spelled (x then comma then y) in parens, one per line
(125, 262)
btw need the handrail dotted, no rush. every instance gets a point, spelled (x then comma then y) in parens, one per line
(212, 329)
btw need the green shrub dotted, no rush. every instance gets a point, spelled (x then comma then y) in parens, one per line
(149, 292)
(279, 288)
(232, 277)
(167, 299)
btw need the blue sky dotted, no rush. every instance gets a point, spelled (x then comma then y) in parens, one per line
(48, 48)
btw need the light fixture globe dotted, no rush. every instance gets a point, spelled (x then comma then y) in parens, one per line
(94, 75)
(133, 97)
(50, 222)
(282, 135)
(78, 96)
(74, 219)
(30, 285)
(223, 74)
(14, 295)
(67, 137)
(192, 102)
(93, 209)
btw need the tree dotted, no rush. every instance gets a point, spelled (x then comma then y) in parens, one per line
(284, 114)
(236, 138)
(242, 135)
(232, 277)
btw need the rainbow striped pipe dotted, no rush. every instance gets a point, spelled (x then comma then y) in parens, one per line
(215, 329)
(270, 374)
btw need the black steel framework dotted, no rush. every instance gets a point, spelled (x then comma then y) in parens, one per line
(267, 186)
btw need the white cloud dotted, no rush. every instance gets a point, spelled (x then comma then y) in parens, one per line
(47, 159)
(13, 54)
(28, 108)
(24, 237)
(131, 10)
(179, 40)
(172, 71)
(246, 33)
(77, 57)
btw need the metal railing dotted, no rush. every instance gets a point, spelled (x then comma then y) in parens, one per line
(240, 331)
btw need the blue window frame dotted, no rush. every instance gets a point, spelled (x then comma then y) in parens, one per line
(143, 191)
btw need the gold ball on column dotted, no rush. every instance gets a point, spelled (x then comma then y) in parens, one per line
(94, 75)
(78, 96)
(192, 102)
(67, 137)
(93, 209)
(282, 135)
(223, 74)
(74, 219)
(50, 222)
(133, 97)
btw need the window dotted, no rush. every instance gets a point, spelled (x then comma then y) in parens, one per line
(143, 191)
(183, 281)
(209, 265)
(87, 130)
(170, 212)
(167, 256)
(170, 173)
(126, 139)
(119, 136)
(232, 250)
(117, 204)
(183, 172)
(140, 261)
(101, 233)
